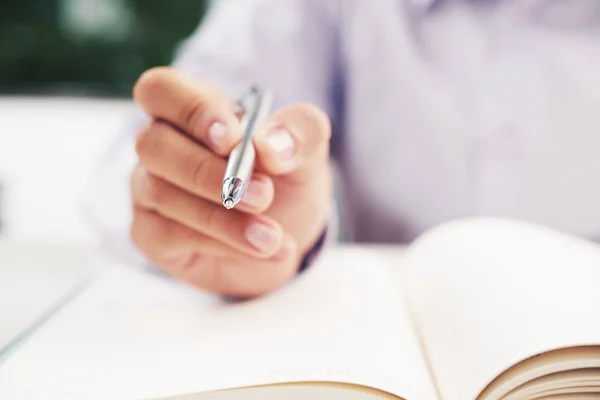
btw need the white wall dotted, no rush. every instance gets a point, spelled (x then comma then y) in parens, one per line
(47, 148)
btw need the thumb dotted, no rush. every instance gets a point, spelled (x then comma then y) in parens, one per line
(295, 143)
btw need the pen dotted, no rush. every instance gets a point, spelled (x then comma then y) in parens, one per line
(256, 106)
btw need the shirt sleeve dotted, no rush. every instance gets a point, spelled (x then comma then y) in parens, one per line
(288, 46)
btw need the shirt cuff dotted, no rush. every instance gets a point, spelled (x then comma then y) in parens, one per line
(312, 254)
(329, 233)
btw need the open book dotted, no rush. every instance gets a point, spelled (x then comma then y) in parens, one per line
(475, 309)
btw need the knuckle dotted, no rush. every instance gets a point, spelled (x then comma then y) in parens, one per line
(200, 167)
(170, 235)
(193, 113)
(180, 234)
(213, 275)
(138, 230)
(156, 191)
(219, 278)
(150, 139)
(151, 81)
(316, 118)
(211, 217)
(153, 234)
(135, 179)
(145, 140)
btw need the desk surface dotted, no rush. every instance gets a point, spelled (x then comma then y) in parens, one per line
(34, 277)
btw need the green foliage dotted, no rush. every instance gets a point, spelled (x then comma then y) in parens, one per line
(89, 46)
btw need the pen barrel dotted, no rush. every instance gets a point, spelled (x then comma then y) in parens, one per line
(244, 166)
(256, 105)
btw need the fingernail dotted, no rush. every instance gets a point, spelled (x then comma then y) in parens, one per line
(217, 134)
(256, 193)
(262, 236)
(281, 143)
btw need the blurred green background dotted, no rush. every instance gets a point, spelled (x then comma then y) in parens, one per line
(88, 47)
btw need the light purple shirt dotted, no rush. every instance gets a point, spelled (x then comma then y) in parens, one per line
(441, 109)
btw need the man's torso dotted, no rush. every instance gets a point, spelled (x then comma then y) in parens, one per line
(470, 108)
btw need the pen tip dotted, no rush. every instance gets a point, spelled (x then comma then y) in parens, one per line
(228, 203)
(232, 191)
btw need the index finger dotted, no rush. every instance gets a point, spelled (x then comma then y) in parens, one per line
(195, 107)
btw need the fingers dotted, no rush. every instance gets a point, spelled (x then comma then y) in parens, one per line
(163, 240)
(179, 222)
(168, 154)
(243, 276)
(254, 235)
(197, 108)
(295, 143)
(189, 256)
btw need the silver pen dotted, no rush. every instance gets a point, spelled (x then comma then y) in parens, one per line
(256, 106)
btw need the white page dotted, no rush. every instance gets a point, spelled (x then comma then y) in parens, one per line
(35, 277)
(133, 335)
(489, 293)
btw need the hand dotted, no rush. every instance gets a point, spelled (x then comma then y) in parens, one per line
(179, 221)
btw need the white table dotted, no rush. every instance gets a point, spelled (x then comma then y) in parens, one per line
(49, 147)
(34, 277)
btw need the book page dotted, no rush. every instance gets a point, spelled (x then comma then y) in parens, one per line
(487, 294)
(539, 372)
(33, 278)
(579, 380)
(134, 335)
(294, 391)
